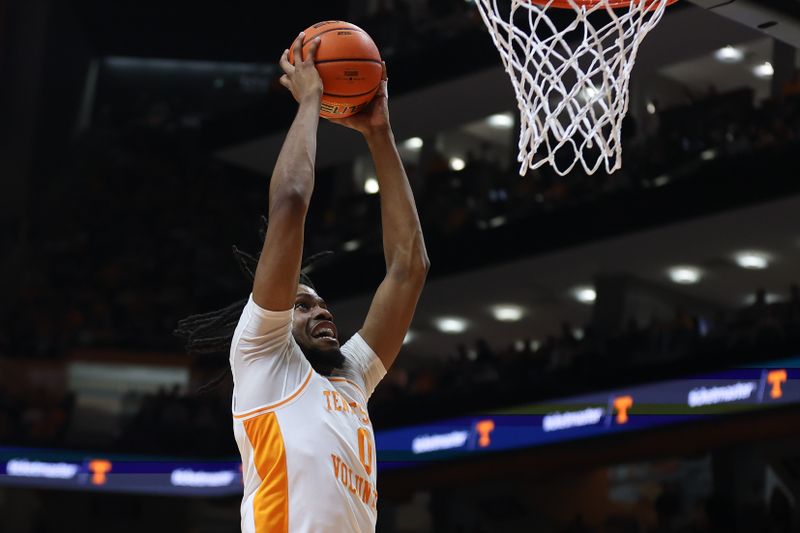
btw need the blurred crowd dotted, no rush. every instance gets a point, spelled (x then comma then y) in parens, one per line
(579, 360)
(674, 514)
(653, 505)
(171, 423)
(34, 418)
(715, 129)
(473, 378)
(135, 233)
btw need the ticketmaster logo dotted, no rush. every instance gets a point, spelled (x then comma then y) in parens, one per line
(572, 419)
(25, 468)
(198, 478)
(444, 441)
(714, 395)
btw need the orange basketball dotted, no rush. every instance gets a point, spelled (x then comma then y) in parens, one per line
(349, 64)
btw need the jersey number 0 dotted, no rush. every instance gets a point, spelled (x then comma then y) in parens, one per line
(365, 449)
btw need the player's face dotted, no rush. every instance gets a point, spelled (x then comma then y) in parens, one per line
(314, 331)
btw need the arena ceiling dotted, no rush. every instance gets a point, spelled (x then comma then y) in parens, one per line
(233, 31)
(252, 31)
(543, 285)
(245, 128)
(679, 49)
(675, 64)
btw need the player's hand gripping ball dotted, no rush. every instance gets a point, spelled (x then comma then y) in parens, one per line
(349, 63)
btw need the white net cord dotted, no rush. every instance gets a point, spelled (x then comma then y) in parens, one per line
(570, 80)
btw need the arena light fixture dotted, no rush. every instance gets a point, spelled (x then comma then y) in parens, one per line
(496, 222)
(585, 294)
(708, 155)
(764, 70)
(661, 180)
(729, 54)
(352, 245)
(371, 186)
(457, 164)
(450, 324)
(685, 274)
(507, 312)
(752, 260)
(769, 298)
(590, 92)
(651, 107)
(502, 121)
(414, 143)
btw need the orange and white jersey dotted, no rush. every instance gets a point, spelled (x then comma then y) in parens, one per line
(306, 440)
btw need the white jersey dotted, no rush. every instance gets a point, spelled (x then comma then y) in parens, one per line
(307, 446)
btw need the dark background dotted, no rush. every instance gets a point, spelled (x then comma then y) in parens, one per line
(136, 143)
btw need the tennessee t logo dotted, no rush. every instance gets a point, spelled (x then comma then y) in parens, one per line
(484, 429)
(776, 378)
(621, 406)
(99, 469)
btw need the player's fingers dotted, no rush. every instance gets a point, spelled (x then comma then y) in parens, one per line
(298, 48)
(284, 62)
(284, 80)
(312, 51)
(341, 122)
(383, 89)
(380, 93)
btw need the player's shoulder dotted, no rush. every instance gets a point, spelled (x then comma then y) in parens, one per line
(259, 327)
(251, 308)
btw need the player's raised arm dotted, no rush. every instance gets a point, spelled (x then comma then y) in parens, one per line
(292, 183)
(407, 261)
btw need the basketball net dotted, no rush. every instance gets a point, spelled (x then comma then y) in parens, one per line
(570, 76)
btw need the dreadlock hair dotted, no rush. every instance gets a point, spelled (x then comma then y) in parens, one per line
(211, 332)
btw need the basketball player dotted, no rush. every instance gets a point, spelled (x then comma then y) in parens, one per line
(300, 395)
